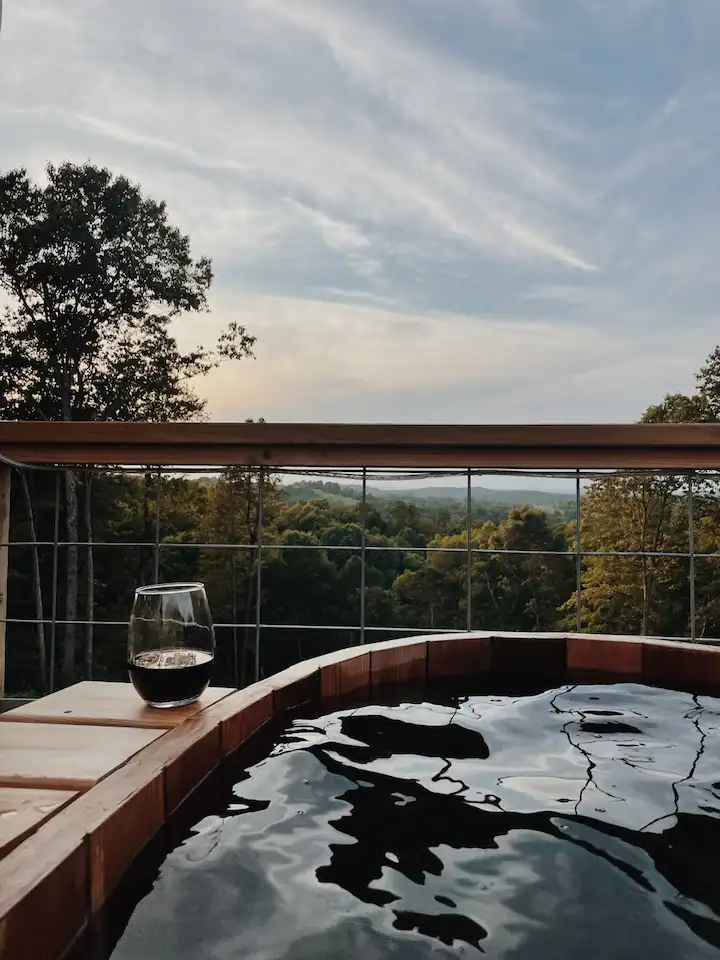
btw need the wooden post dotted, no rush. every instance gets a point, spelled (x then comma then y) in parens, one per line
(5, 479)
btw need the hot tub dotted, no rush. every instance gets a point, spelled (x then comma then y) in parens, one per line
(511, 745)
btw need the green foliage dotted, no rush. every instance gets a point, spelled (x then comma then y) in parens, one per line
(96, 273)
(510, 591)
(632, 515)
(649, 595)
(435, 502)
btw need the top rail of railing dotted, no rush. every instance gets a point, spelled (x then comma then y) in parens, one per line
(324, 445)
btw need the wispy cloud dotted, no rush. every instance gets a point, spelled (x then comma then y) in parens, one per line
(427, 145)
(513, 182)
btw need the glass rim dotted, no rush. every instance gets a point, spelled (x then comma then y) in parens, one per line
(158, 589)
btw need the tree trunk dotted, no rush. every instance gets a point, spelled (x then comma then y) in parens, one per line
(89, 580)
(71, 578)
(37, 584)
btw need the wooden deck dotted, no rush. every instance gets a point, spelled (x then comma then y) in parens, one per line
(54, 749)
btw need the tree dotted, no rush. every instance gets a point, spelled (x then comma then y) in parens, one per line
(36, 581)
(96, 274)
(407, 524)
(519, 590)
(644, 515)
(708, 380)
(701, 407)
(677, 408)
(632, 515)
(299, 587)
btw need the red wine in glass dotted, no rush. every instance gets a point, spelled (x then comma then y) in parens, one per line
(171, 643)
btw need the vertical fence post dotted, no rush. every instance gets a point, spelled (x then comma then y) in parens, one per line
(156, 555)
(5, 484)
(233, 576)
(258, 575)
(691, 551)
(89, 579)
(578, 557)
(468, 572)
(363, 553)
(54, 594)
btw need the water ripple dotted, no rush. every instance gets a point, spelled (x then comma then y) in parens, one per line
(581, 822)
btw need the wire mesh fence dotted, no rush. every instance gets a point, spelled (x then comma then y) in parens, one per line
(262, 604)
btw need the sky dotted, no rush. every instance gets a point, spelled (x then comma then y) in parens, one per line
(425, 210)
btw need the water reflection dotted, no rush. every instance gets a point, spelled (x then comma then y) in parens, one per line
(578, 822)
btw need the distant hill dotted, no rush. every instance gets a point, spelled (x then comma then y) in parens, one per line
(336, 493)
(534, 498)
(427, 497)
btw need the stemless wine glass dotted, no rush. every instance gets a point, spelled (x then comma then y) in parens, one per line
(171, 643)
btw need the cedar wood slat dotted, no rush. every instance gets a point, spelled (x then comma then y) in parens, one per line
(590, 446)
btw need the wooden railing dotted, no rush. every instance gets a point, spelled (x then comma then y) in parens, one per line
(564, 446)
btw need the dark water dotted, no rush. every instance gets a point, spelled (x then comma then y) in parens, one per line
(579, 823)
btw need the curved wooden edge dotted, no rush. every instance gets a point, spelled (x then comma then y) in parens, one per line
(67, 868)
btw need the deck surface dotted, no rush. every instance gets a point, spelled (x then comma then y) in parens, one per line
(109, 705)
(54, 749)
